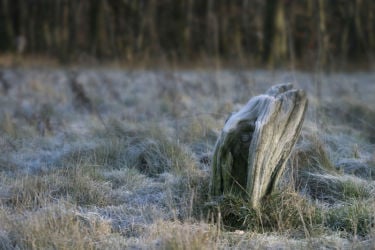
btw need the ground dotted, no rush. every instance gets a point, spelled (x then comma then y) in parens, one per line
(113, 159)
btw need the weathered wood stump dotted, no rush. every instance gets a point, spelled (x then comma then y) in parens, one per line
(255, 143)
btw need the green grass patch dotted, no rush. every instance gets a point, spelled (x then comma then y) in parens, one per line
(279, 212)
(356, 218)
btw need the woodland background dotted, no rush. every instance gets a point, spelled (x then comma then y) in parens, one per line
(249, 32)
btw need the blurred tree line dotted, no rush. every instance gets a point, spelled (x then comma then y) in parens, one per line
(256, 31)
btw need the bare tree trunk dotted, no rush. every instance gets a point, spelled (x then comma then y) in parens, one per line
(255, 143)
(279, 46)
(323, 36)
(6, 30)
(268, 29)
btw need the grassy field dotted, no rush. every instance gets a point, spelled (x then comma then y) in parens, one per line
(111, 159)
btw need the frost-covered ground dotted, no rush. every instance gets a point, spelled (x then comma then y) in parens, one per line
(101, 158)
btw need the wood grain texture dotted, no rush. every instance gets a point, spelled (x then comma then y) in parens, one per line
(255, 143)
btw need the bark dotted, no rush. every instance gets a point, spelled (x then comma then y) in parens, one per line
(255, 144)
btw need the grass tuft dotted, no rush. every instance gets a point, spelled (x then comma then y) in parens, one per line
(176, 235)
(150, 151)
(35, 191)
(8, 125)
(355, 114)
(312, 155)
(58, 226)
(335, 188)
(280, 212)
(357, 218)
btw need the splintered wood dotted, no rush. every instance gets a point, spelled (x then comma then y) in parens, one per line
(255, 143)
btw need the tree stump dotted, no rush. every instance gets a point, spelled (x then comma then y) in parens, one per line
(255, 144)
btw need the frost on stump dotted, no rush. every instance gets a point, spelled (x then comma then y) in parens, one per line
(255, 143)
